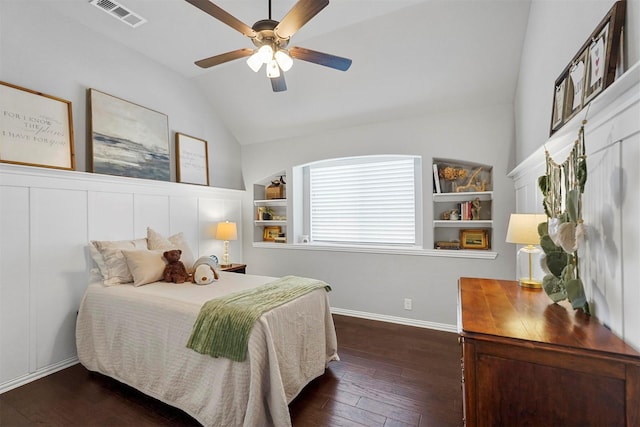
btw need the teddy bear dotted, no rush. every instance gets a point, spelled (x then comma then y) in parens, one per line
(175, 270)
(206, 270)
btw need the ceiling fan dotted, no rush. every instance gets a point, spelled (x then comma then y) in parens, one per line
(271, 39)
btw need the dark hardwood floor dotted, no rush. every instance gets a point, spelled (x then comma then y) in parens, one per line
(388, 375)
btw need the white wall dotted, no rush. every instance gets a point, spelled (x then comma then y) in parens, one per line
(555, 31)
(57, 56)
(378, 283)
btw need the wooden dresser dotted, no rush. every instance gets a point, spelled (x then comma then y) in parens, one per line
(527, 361)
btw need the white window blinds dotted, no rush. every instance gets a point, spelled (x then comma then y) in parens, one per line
(368, 202)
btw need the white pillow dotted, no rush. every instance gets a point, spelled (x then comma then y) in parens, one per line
(110, 260)
(156, 240)
(146, 266)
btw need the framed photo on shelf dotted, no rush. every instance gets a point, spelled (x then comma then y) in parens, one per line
(192, 160)
(474, 239)
(128, 139)
(271, 232)
(35, 129)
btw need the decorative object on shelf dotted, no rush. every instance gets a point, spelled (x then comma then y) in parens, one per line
(453, 216)
(474, 239)
(473, 183)
(561, 236)
(595, 66)
(271, 233)
(192, 160)
(35, 129)
(523, 230)
(475, 209)
(226, 231)
(452, 174)
(265, 213)
(447, 245)
(127, 139)
(276, 190)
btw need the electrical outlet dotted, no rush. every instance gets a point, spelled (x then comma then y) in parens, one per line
(407, 303)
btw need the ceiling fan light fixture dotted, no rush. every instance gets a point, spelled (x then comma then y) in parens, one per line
(273, 71)
(265, 53)
(254, 61)
(284, 60)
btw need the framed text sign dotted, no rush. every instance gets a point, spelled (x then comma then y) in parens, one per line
(35, 129)
(192, 160)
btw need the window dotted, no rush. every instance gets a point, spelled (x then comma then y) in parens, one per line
(373, 200)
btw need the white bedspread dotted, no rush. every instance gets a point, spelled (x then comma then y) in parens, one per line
(138, 336)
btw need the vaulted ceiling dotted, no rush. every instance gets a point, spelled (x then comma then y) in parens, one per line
(410, 58)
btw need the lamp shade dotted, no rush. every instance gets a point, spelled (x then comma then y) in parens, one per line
(226, 231)
(523, 228)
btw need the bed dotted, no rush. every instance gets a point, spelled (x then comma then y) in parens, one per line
(138, 334)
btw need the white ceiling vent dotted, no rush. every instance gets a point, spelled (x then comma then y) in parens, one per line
(120, 12)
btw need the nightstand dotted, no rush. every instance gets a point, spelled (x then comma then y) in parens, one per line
(235, 268)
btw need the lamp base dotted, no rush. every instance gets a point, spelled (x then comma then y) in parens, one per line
(530, 283)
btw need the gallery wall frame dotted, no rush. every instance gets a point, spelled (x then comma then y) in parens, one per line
(596, 65)
(36, 129)
(192, 160)
(127, 139)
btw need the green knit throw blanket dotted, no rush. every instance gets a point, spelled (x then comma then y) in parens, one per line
(224, 324)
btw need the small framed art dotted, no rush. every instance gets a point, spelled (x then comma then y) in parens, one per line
(575, 86)
(192, 160)
(474, 239)
(558, 104)
(35, 129)
(271, 232)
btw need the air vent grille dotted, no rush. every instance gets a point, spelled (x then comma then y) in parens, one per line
(119, 12)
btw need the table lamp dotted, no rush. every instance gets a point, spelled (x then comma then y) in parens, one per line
(226, 231)
(523, 230)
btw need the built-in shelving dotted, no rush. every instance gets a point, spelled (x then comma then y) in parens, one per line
(452, 196)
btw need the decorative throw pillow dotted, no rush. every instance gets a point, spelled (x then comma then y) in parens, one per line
(156, 240)
(110, 260)
(146, 266)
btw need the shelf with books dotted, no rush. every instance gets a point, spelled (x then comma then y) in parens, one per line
(462, 200)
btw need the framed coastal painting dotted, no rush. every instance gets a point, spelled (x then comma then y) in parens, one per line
(192, 160)
(35, 129)
(128, 139)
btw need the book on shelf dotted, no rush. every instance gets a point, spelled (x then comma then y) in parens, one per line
(436, 179)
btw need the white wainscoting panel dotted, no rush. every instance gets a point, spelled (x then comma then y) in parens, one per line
(47, 218)
(14, 282)
(110, 216)
(151, 211)
(58, 268)
(631, 245)
(610, 260)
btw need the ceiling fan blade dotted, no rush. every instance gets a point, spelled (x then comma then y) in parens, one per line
(278, 84)
(224, 57)
(223, 16)
(320, 58)
(299, 15)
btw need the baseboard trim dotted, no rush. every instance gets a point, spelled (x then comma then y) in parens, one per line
(399, 320)
(40, 373)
